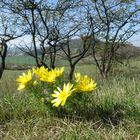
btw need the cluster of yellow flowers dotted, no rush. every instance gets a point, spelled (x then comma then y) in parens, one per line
(84, 83)
(59, 96)
(48, 76)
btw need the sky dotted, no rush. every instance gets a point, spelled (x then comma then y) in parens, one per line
(135, 40)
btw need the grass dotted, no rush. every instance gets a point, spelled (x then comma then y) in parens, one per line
(20, 60)
(112, 112)
(28, 60)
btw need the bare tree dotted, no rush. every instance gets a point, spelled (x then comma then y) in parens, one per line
(46, 24)
(75, 54)
(112, 23)
(8, 31)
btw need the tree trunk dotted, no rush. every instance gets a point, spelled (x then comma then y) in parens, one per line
(1, 70)
(2, 65)
(72, 69)
(104, 74)
(52, 60)
(3, 56)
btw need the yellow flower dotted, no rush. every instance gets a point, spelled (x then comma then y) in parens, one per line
(24, 79)
(21, 86)
(59, 71)
(77, 76)
(62, 95)
(40, 71)
(84, 83)
(49, 76)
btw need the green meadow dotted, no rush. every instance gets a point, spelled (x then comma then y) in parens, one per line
(28, 60)
(112, 113)
(20, 60)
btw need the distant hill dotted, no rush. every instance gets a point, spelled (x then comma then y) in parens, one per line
(126, 51)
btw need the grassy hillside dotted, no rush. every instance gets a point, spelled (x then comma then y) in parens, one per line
(29, 61)
(20, 60)
(113, 112)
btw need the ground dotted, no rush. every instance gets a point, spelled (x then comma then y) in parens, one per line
(113, 112)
